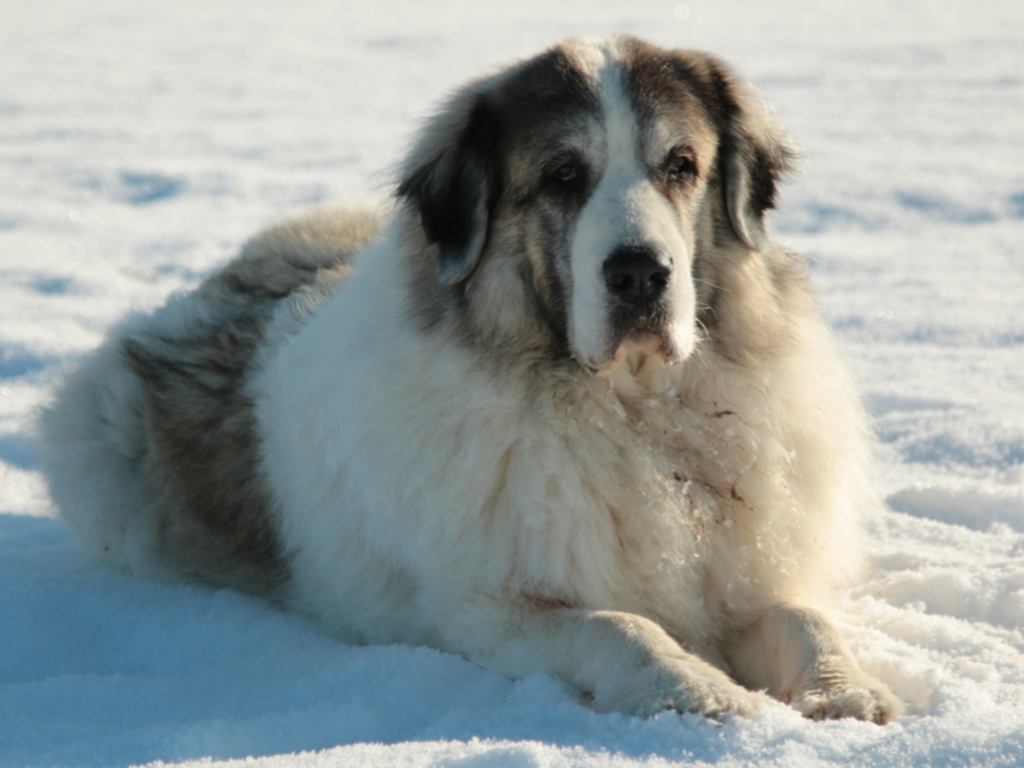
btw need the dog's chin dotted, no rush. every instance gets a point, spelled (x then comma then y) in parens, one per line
(639, 349)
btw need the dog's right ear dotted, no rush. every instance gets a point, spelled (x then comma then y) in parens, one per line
(755, 154)
(452, 183)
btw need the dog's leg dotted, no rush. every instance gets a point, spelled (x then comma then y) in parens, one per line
(798, 656)
(621, 661)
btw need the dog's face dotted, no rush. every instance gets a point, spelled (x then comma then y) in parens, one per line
(603, 173)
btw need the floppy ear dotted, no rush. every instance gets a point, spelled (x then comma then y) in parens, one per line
(754, 155)
(451, 179)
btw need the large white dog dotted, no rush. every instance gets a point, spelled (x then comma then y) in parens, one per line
(562, 406)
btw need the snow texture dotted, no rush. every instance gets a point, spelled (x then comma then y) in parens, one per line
(141, 142)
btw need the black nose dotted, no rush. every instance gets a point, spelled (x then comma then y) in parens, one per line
(635, 274)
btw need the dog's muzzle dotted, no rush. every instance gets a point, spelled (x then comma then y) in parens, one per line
(637, 279)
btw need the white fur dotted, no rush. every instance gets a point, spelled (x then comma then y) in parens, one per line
(624, 208)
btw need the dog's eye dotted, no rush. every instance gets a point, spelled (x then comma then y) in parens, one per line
(682, 163)
(564, 177)
(564, 172)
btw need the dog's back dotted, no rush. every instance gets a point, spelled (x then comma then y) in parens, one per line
(149, 445)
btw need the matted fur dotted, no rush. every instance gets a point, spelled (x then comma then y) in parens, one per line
(564, 407)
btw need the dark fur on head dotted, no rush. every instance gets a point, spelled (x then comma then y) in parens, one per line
(753, 154)
(456, 176)
(455, 190)
(455, 184)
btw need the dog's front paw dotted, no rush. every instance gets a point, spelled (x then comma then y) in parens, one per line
(834, 694)
(715, 700)
(686, 684)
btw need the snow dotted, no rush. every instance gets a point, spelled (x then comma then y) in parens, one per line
(141, 142)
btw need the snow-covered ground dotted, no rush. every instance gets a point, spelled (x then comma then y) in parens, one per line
(141, 142)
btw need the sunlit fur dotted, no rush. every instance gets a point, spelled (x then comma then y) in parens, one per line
(436, 422)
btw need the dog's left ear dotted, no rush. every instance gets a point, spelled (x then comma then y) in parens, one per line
(451, 184)
(753, 157)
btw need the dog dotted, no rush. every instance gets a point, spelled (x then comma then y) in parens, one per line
(560, 406)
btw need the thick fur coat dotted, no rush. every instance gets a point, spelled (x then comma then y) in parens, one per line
(561, 406)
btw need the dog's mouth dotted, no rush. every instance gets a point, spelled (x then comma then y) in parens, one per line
(634, 346)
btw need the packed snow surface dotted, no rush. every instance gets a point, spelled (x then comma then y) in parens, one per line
(141, 142)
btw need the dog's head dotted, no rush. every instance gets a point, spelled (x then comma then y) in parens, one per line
(598, 175)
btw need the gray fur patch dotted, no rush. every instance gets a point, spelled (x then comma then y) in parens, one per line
(215, 516)
(202, 467)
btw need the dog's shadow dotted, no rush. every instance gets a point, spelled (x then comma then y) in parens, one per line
(100, 669)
